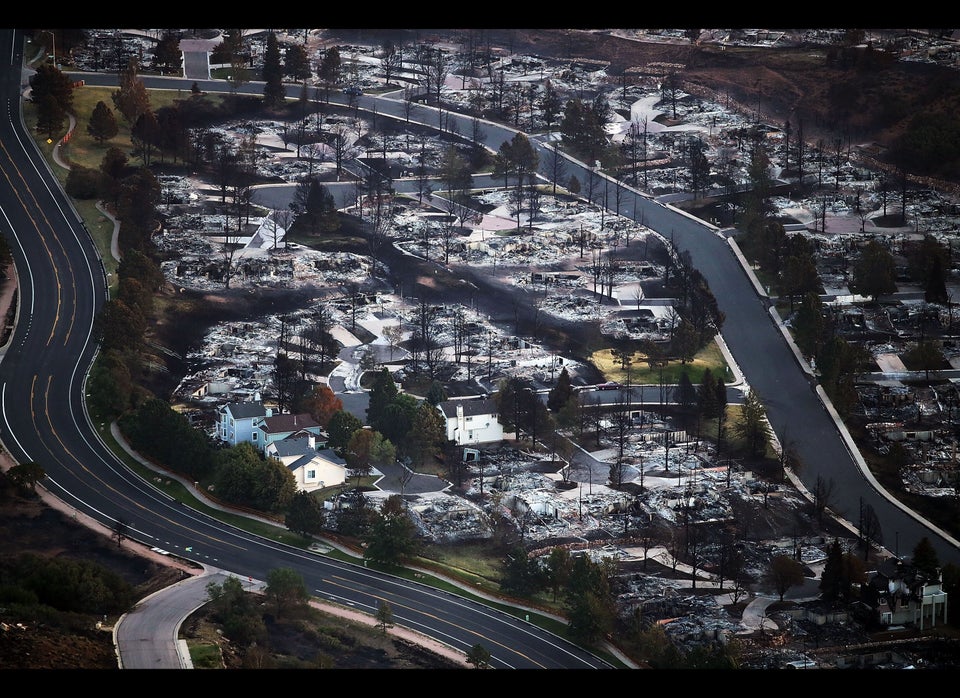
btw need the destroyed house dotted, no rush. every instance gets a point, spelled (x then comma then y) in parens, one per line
(899, 594)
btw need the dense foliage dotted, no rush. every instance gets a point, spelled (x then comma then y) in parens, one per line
(68, 585)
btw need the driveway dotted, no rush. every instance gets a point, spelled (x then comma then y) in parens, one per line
(196, 57)
(397, 477)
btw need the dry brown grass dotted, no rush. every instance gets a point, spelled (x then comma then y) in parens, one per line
(642, 374)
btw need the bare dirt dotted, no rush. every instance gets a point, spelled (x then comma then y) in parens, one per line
(28, 641)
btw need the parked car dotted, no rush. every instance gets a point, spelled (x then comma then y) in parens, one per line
(352, 90)
(609, 385)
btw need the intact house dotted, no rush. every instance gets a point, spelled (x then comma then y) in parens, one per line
(296, 440)
(314, 468)
(899, 594)
(252, 422)
(276, 427)
(238, 422)
(471, 421)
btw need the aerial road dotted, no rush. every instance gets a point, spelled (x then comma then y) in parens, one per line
(62, 286)
(43, 419)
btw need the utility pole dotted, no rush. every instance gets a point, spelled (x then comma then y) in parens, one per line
(53, 40)
(489, 355)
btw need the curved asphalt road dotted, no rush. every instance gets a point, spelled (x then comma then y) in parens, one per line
(43, 419)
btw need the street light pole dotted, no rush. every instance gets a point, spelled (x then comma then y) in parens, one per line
(489, 355)
(53, 40)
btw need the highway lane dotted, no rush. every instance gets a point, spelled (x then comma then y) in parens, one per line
(43, 419)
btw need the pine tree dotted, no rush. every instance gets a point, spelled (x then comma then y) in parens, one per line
(329, 69)
(686, 394)
(50, 81)
(102, 125)
(131, 98)
(561, 393)
(753, 426)
(50, 117)
(707, 396)
(274, 91)
(721, 390)
(305, 515)
(925, 558)
(809, 325)
(831, 575)
(875, 272)
(167, 56)
(296, 63)
(382, 393)
(320, 208)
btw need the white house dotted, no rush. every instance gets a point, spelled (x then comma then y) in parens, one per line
(313, 469)
(237, 421)
(472, 421)
(899, 594)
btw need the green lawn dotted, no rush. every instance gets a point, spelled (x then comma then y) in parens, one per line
(640, 372)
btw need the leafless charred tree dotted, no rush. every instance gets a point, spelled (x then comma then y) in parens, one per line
(352, 291)
(620, 419)
(556, 166)
(391, 60)
(871, 533)
(273, 227)
(822, 497)
(393, 335)
(426, 335)
(380, 227)
(231, 251)
(317, 345)
(426, 234)
(515, 99)
(340, 145)
(409, 99)
(838, 160)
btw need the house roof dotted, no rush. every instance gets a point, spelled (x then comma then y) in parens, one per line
(300, 448)
(300, 462)
(331, 457)
(322, 455)
(288, 422)
(293, 447)
(471, 408)
(245, 410)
